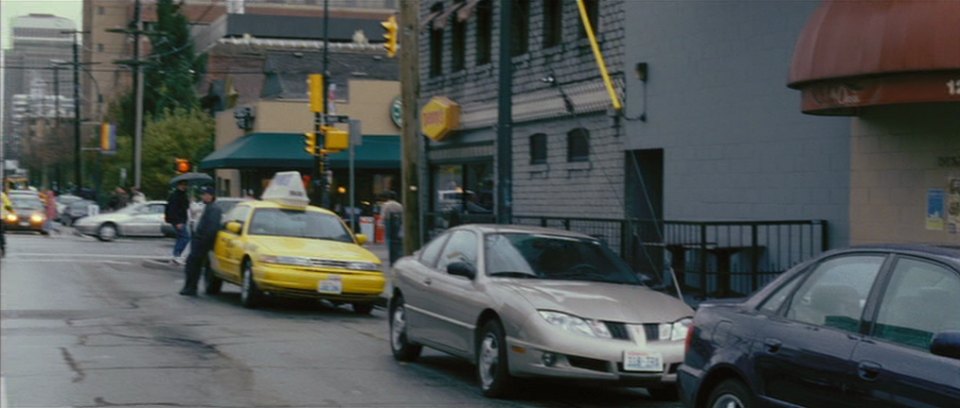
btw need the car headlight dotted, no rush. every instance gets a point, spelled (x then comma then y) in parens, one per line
(285, 260)
(363, 266)
(36, 218)
(575, 324)
(12, 217)
(675, 331)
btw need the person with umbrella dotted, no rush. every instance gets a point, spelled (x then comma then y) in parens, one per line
(176, 215)
(203, 240)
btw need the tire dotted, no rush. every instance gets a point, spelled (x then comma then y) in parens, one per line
(362, 308)
(665, 393)
(403, 349)
(250, 296)
(107, 232)
(211, 283)
(730, 394)
(493, 368)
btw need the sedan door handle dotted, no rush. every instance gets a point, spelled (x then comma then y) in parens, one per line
(427, 281)
(868, 370)
(772, 345)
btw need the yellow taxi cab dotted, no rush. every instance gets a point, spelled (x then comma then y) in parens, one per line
(284, 247)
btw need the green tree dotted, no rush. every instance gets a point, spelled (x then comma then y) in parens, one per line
(173, 66)
(179, 133)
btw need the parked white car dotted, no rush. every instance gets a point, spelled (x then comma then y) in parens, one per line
(139, 220)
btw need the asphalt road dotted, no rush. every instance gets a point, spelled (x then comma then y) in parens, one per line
(85, 324)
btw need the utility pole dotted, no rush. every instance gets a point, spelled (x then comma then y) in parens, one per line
(56, 120)
(410, 95)
(78, 159)
(136, 65)
(505, 117)
(322, 157)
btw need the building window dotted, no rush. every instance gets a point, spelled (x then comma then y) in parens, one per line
(99, 47)
(521, 26)
(459, 44)
(538, 148)
(100, 11)
(578, 145)
(484, 31)
(593, 14)
(552, 23)
(436, 45)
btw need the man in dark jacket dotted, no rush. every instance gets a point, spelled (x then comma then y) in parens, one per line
(203, 239)
(176, 215)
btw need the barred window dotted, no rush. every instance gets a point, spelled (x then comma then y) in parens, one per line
(521, 26)
(459, 44)
(552, 23)
(436, 45)
(578, 145)
(538, 148)
(484, 31)
(593, 14)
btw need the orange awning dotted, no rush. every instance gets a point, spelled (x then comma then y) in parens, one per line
(853, 54)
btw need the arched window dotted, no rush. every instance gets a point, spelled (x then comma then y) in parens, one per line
(578, 145)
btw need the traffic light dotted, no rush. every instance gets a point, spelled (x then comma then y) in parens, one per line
(335, 140)
(315, 90)
(391, 36)
(310, 143)
(182, 165)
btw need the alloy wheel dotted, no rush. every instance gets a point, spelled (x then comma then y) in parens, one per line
(489, 359)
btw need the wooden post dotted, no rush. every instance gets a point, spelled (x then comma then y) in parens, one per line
(410, 91)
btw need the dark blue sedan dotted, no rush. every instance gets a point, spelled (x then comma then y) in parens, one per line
(865, 327)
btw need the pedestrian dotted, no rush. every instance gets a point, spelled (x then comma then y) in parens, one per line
(51, 209)
(137, 196)
(176, 215)
(202, 242)
(391, 212)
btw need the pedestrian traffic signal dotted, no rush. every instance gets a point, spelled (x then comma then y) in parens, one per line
(182, 165)
(310, 143)
(391, 36)
(335, 140)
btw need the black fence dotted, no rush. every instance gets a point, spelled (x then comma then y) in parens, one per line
(710, 259)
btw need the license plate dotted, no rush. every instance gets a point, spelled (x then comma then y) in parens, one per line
(642, 361)
(331, 285)
(24, 223)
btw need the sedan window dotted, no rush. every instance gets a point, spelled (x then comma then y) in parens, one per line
(298, 224)
(922, 299)
(554, 257)
(462, 247)
(836, 291)
(430, 253)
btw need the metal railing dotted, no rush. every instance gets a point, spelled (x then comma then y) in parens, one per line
(711, 259)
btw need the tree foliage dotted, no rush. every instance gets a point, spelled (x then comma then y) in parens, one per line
(176, 134)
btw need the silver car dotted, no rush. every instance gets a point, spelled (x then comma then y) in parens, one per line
(535, 302)
(139, 220)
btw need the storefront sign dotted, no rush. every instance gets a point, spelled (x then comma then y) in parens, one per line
(949, 161)
(844, 96)
(396, 112)
(439, 117)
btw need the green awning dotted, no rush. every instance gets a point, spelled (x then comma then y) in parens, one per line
(285, 151)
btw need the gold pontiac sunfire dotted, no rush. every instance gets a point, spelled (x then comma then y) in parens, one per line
(282, 246)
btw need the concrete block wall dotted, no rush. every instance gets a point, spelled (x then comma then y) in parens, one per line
(557, 188)
(897, 154)
(736, 145)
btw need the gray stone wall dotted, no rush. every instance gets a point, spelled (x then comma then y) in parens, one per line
(556, 188)
(736, 145)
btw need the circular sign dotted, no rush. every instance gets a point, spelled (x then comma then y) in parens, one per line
(396, 112)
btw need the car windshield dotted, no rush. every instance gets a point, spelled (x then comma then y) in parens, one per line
(26, 202)
(554, 257)
(298, 223)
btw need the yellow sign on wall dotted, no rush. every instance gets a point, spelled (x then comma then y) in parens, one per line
(439, 117)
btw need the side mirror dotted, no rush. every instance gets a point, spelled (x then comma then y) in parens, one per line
(462, 269)
(946, 344)
(361, 239)
(234, 227)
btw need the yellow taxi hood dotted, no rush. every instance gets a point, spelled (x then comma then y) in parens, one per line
(313, 248)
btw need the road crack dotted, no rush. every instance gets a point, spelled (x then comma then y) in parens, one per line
(79, 375)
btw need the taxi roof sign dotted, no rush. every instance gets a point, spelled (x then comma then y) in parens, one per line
(286, 188)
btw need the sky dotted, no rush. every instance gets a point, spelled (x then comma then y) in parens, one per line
(71, 9)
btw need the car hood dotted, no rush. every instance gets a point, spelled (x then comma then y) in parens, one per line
(601, 301)
(313, 248)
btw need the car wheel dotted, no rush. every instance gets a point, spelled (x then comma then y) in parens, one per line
(250, 295)
(362, 308)
(403, 349)
(211, 283)
(107, 232)
(492, 365)
(666, 393)
(730, 394)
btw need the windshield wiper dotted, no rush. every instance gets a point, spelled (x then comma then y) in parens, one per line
(513, 274)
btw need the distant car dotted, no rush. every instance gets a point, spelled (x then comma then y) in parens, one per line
(536, 302)
(861, 327)
(28, 214)
(62, 202)
(76, 210)
(140, 220)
